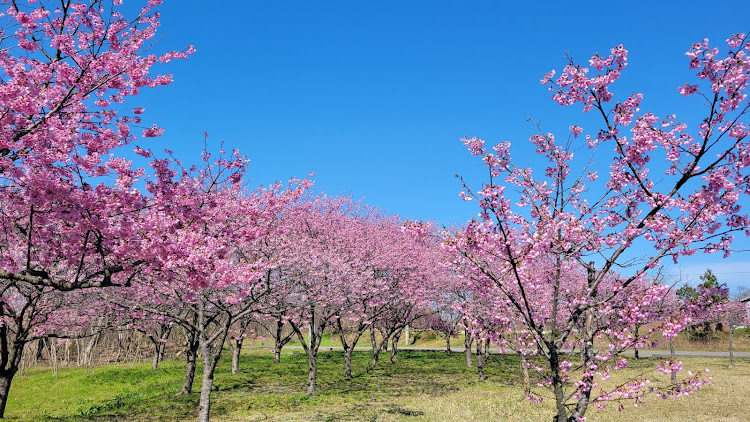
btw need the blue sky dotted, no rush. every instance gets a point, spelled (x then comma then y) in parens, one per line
(374, 96)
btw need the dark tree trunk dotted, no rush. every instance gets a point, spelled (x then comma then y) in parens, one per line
(11, 352)
(277, 355)
(280, 340)
(278, 344)
(348, 351)
(39, 349)
(557, 385)
(394, 346)
(190, 356)
(349, 344)
(5, 379)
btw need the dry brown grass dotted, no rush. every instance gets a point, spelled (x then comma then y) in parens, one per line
(719, 342)
(724, 399)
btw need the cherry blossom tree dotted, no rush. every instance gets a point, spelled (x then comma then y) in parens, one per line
(66, 70)
(735, 315)
(396, 316)
(31, 313)
(414, 285)
(396, 266)
(281, 302)
(322, 269)
(126, 315)
(205, 227)
(70, 210)
(445, 321)
(237, 334)
(671, 187)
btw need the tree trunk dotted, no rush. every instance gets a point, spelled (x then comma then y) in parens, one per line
(557, 386)
(394, 346)
(211, 348)
(672, 357)
(39, 350)
(67, 353)
(731, 345)
(236, 350)
(480, 361)
(204, 406)
(160, 345)
(635, 350)
(312, 373)
(120, 336)
(348, 361)
(447, 343)
(162, 350)
(88, 351)
(587, 355)
(468, 339)
(349, 344)
(52, 345)
(277, 342)
(375, 348)
(190, 356)
(311, 348)
(525, 371)
(155, 361)
(276, 354)
(5, 379)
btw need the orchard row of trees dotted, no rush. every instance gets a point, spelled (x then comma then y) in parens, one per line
(554, 261)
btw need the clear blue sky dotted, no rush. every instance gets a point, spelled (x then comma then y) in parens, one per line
(374, 96)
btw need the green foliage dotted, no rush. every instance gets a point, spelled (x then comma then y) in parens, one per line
(704, 331)
(687, 293)
(708, 281)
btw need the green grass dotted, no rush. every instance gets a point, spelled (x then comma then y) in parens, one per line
(262, 387)
(420, 386)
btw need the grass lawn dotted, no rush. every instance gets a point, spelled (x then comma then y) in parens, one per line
(421, 386)
(718, 342)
